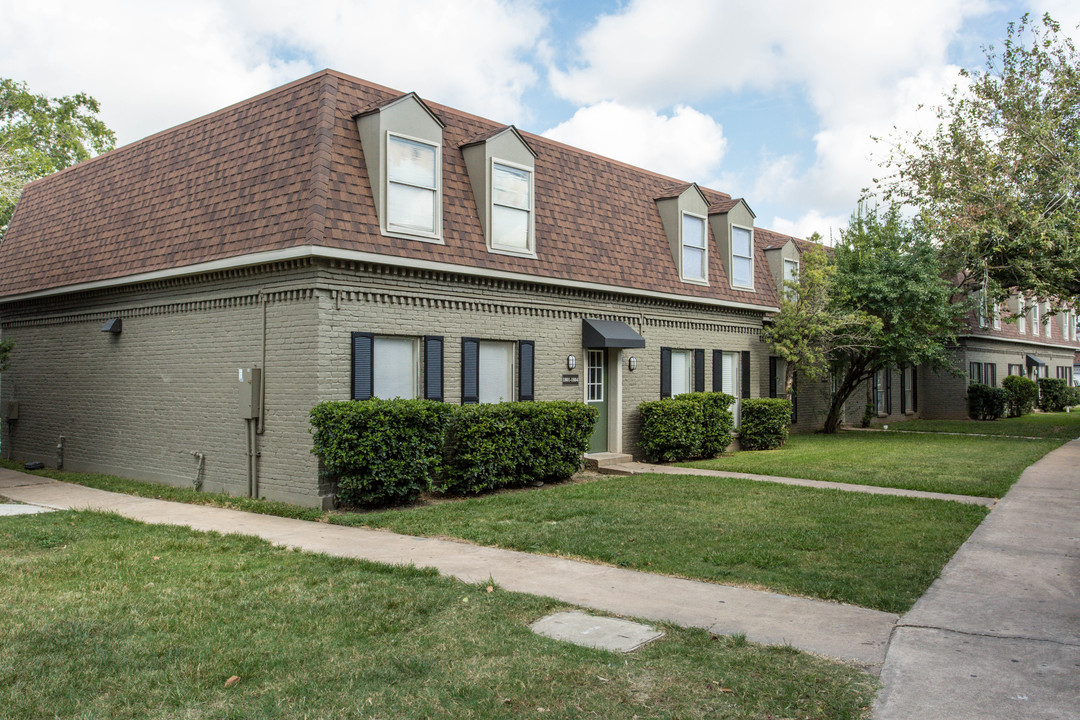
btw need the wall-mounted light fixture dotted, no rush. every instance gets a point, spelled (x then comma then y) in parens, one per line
(112, 325)
(571, 362)
(633, 363)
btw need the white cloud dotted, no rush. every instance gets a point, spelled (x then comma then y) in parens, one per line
(153, 65)
(862, 67)
(828, 226)
(686, 144)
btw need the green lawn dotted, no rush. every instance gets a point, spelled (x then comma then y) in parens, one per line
(877, 551)
(979, 466)
(101, 617)
(1065, 426)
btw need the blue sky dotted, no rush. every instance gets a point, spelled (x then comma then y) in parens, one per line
(774, 101)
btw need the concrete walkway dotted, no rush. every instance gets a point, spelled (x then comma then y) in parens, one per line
(998, 634)
(846, 632)
(637, 468)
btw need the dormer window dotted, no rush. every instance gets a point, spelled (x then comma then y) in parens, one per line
(742, 257)
(511, 207)
(693, 247)
(412, 185)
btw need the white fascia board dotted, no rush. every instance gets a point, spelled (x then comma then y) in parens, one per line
(1072, 348)
(314, 251)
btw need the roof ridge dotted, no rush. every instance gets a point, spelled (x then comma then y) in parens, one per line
(321, 158)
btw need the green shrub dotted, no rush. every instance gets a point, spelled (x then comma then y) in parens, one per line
(492, 446)
(764, 423)
(1022, 395)
(672, 429)
(379, 451)
(1053, 395)
(985, 402)
(717, 421)
(1072, 396)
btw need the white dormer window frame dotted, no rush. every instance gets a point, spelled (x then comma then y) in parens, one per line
(1035, 319)
(997, 316)
(529, 250)
(402, 229)
(702, 249)
(1021, 316)
(980, 309)
(734, 256)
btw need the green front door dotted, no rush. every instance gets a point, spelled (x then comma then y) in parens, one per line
(596, 395)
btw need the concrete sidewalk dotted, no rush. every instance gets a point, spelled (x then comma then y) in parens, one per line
(638, 468)
(846, 632)
(998, 634)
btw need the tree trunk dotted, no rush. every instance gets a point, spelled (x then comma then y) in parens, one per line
(851, 380)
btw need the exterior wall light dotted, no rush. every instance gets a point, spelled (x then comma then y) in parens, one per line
(571, 362)
(633, 363)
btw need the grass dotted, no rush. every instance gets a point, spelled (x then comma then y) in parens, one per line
(978, 466)
(1064, 426)
(102, 617)
(876, 551)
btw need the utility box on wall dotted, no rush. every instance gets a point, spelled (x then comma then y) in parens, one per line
(250, 393)
(11, 412)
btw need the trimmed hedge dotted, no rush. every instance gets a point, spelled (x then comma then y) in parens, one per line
(717, 421)
(764, 423)
(1072, 396)
(510, 444)
(1022, 395)
(1053, 395)
(379, 451)
(985, 402)
(686, 427)
(672, 429)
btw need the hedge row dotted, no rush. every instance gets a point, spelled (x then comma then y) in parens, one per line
(382, 452)
(685, 427)
(1055, 395)
(764, 423)
(1022, 395)
(985, 402)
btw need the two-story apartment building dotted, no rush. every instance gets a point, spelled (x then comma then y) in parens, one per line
(181, 303)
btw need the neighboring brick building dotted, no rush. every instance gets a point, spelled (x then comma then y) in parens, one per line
(347, 240)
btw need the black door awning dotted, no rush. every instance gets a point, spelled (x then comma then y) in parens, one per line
(609, 334)
(1033, 361)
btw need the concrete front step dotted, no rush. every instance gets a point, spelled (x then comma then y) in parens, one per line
(607, 462)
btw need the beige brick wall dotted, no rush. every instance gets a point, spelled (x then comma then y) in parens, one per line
(139, 404)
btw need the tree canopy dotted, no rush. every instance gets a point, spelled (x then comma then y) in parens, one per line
(39, 136)
(881, 299)
(998, 182)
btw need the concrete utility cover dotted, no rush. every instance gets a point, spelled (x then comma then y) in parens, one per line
(17, 509)
(603, 633)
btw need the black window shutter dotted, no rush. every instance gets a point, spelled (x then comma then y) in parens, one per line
(794, 398)
(888, 391)
(873, 392)
(717, 370)
(914, 388)
(699, 370)
(470, 371)
(433, 367)
(772, 375)
(363, 368)
(903, 388)
(526, 361)
(745, 370)
(665, 372)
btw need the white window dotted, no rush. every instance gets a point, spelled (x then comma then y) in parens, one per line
(1048, 325)
(997, 316)
(909, 388)
(791, 270)
(1035, 319)
(980, 308)
(693, 247)
(1065, 324)
(742, 257)
(682, 362)
(511, 207)
(412, 180)
(395, 367)
(496, 372)
(880, 396)
(729, 381)
(1021, 321)
(594, 385)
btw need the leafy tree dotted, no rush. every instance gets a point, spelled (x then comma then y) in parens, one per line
(888, 268)
(6, 346)
(809, 330)
(998, 182)
(39, 136)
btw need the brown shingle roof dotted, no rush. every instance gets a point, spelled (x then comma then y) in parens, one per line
(286, 169)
